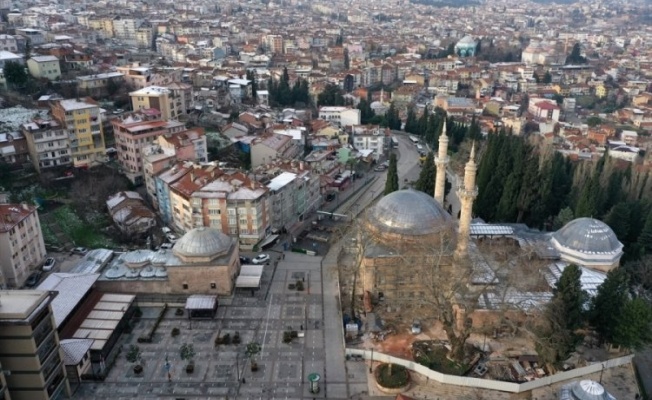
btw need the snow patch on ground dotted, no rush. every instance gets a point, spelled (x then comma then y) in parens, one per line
(12, 118)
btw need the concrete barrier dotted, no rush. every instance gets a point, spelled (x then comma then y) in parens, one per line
(488, 383)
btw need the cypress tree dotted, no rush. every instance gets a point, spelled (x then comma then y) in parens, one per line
(608, 304)
(391, 185)
(529, 187)
(427, 176)
(633, 330)
(645, 238)
(618, 220)
(411, 124)
(422, 124)
(569, 292)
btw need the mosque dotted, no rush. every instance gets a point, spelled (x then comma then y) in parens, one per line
(409, 232)
(466, 47)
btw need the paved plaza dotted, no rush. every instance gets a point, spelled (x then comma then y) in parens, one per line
(282, 368)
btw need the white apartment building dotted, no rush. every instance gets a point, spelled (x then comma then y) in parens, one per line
(48, 144)
(341, 116)
(21, 243)
(44, 67)
(370, 137)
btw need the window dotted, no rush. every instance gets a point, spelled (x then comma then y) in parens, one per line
(185, 286)
(213, 285)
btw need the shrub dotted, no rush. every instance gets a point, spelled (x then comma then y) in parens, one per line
(299, 286)
(398, 378)
(175, 332)
(236, 338)
(226, 339)
(287, 337)
(294, 334)
(148, 337)
(179, 312)
(292, 286)
(138, 312)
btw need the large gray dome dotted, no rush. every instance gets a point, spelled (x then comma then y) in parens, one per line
(409, 212)
(203, 242)
(589, 236)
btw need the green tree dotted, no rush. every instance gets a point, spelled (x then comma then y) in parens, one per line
(608, 304)
(391, 185)
(645, 238)
(593, 121)
(15, 74)
(618, 220)
(633, 331)
(575, 57)
(331, 96)
(411, 124)
(547, 78)
(569, 292)
(251, 76)
(427, 176)
(187, 352)
(366, 113)
(565, 216)
(133, 354)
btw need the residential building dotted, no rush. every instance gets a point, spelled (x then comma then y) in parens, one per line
(163, 181)
(130, 213)
(369, 137)
(183, 92)
(234, 204)
(29, 346)
(160, 98)
(81, 120)
(134, 133)
(187, 145)
(155, 160)
(293, 195)
(8, 43)
(544, 108)
(13, 149)
(272, 147)
(48, 144)
(21, 242)
(99, 82)
(46, 67)
(6, 56)
(141, 76)
(341, 116)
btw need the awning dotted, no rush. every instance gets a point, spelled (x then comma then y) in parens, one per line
(250, 276)
(268, 241)
(201, 302)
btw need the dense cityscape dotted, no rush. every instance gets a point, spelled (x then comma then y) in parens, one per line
(409, 199)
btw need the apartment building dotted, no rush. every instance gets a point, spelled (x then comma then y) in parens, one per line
(82, 122)
(8, 43)
(272, 147)
(293, 195)
(134, 133)
(155, 160)
(46, 67)
(125, 28)
(160, 98)
(141, 76)
(163, 182)
(341, 116)
(48, 144)
(30, 352)
(236, 205)
(21, 242)
(188, 145)
(99, 82)
(370, 137)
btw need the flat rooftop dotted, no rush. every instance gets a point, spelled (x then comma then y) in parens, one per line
(19, 304)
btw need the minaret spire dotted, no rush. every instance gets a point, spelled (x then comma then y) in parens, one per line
(466, 192)
(441, 161)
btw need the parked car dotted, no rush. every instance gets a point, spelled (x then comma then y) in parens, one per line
(166, 230)
(166, 246)
(33, 279)
(385, 163)
(80, 250)
(416, 327)
(380, 168)
(245, 260)
(49, 264)
(261, 259)
(330, 197)
(171, 237)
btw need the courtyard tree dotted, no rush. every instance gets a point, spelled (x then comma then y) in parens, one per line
(391, 185)
(187, 353)
(633, 331)
(134, 356)
(252, 350)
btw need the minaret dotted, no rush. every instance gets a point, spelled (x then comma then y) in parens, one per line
(466, 193)
(441, 161)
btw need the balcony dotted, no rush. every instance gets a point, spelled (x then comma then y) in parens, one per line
(46, 349)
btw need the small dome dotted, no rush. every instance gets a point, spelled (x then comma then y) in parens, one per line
(468, 39)
(588, 235)
(409, 212)
(203, 242)
(589, 390)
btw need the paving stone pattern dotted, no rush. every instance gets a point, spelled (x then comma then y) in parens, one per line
(282, 368)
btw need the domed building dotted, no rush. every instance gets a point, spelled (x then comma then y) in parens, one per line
(203, 261)
(404, 228)
(466, 46)
(590, 243)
